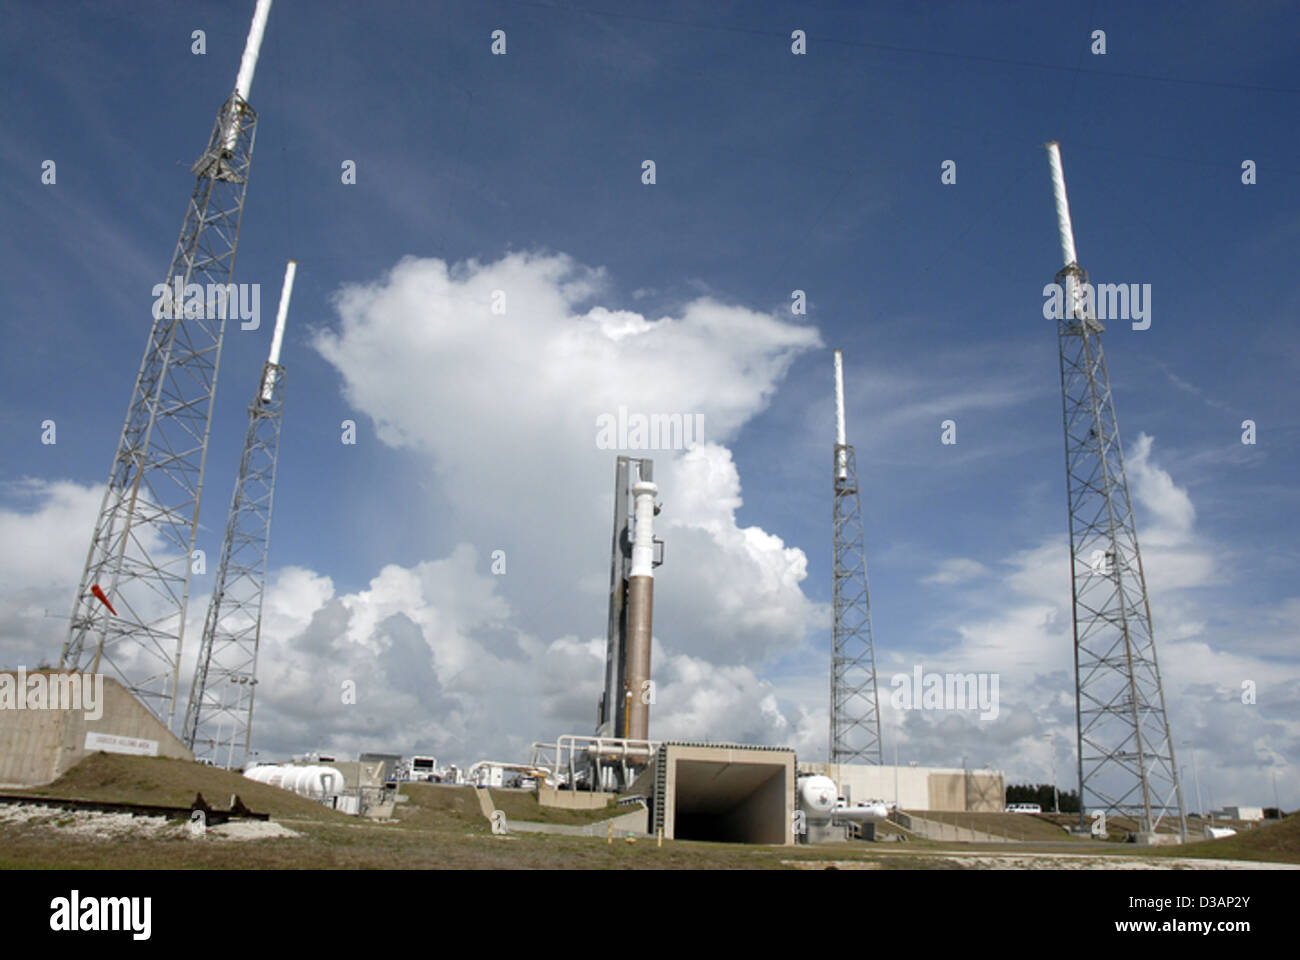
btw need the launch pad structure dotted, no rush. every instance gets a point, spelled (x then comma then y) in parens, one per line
(129, 613)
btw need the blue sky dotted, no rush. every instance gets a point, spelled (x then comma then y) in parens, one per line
(774, 172)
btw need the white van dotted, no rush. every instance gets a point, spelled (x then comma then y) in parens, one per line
(1024, 808)
(424, 769)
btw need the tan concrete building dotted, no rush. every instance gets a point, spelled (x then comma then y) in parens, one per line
(917, 788)
(50, 719)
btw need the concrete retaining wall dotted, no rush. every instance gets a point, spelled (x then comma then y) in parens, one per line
(937, 830)
(38, 745)
(574, 799)
(635, 822)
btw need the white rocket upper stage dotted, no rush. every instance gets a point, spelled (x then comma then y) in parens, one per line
(643, 534)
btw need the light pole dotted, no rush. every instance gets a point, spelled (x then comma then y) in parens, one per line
(1200, 810)
(1056, 794)
(896, 774)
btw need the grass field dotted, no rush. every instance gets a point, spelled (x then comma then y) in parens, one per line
(168, 782)
(1277, 841)
(444, 827)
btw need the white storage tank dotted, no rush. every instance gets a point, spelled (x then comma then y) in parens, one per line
(817, 797)
(316, 782)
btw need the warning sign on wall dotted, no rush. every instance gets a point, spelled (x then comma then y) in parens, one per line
(112, 743)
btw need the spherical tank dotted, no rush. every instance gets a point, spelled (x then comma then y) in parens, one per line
(817, 796)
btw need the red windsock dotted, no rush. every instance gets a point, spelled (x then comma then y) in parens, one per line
(99, 594)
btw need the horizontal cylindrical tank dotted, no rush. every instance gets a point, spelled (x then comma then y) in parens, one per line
(316, 782)
(864, 813)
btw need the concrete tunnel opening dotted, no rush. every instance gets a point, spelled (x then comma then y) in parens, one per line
(728, 795)
(730, 802)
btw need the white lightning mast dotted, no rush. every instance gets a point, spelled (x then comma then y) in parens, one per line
(1125, 751)
(841, 432)
(145, 535)
(247, 67)
(219, 718)
(855, 709)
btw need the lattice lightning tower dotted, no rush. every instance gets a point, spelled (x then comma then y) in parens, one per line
(140, 552)
(855, 708)
(1126, 753)
(219, 719)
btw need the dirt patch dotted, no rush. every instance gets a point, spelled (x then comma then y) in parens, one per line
(1059, 861)
(831, 864)
(251, 830)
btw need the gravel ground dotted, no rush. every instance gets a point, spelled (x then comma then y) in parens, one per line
(88, 824)
(1068, 861)
(95, 825)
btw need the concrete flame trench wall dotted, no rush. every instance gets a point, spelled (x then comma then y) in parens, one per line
(731, 794)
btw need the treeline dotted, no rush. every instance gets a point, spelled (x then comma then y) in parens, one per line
(1041, 794)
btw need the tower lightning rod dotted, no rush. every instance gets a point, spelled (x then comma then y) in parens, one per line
(248, 62)
(841, 434)
(247, 67)
(277, 338)
(1063, 223)
(1073, 293)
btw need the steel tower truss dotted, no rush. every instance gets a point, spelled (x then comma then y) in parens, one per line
(144, 535)
(1126, 753)
(219, 718)
(855, 708)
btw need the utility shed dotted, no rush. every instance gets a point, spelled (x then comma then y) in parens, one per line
(732, 793)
